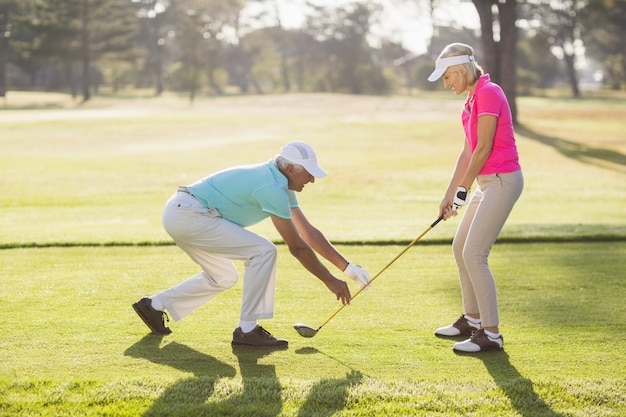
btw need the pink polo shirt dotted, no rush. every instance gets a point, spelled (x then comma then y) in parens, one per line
(488, 98)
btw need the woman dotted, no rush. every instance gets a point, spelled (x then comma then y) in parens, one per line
(490, 157)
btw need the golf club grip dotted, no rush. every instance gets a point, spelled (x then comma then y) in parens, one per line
(385, 268)
(437, 221)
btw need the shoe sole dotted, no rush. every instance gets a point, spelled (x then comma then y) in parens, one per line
(463, 352)
(147, 322)
(458, 336)
(249, 346)
(487, 349)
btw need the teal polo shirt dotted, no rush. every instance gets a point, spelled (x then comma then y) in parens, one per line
(247, 194)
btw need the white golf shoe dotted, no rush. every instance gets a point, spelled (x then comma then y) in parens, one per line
(462, 327)
(479, 342)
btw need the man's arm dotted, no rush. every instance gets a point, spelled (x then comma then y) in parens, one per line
(316, 239)
(301, 250)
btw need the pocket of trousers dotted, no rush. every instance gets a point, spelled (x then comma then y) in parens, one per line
(212, 212)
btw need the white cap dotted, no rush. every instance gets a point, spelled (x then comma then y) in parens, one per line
(301, 153)
(442, 64)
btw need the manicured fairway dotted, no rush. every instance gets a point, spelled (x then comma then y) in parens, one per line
(73, 346)
(81, 240)
(102, 173)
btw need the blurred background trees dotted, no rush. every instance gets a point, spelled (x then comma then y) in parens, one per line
(88, 47)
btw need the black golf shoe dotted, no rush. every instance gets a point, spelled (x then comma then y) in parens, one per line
(257, 338)
(154, 319)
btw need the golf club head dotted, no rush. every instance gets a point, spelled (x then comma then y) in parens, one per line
(304, 330)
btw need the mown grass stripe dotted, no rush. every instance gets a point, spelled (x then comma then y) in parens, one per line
(508, 239)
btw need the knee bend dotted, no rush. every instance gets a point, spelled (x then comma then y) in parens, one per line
(473, 258)
(264, 254)
(269, 251)
(224, 281)
(457, 250)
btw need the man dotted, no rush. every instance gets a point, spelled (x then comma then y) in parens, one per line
(208, 221)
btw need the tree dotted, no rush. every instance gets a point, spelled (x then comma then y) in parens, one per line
(81, 32)
(106, 27)
(560, 22)
(499, 44)
(15, 40)
(54, 23)
(603, 32)
(537, 66)
(281, 39)
(241, 58)
(342, 56)
(208, 37)
(498, 41)
(153, 16)
(5, 33)
(190, 37)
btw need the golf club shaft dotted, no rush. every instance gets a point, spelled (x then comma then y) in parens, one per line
(384, 268)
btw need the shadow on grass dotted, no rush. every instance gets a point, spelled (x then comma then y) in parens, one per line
(34, 106)
(262, 392)
(180, 357)
(577, 151)
(518, 389)
(328, 396)
(188, 396)
(261, 395)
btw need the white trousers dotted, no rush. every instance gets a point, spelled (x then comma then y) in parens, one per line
(213, 243)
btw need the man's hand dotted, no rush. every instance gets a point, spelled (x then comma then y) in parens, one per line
(460, 198)
(340, 289)
(358, 274)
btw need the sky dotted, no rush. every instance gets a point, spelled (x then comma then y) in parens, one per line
(401, 20)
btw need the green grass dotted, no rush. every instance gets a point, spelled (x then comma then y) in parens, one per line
(81, 241)
(103, 173)
(73, 346)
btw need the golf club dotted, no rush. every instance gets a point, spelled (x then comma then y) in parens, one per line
(308, 331)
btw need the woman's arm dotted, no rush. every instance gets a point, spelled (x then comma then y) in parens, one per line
(486, 131)
(460, 169)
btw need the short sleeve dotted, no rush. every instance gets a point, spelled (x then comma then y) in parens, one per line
(275, 201)
(489, 102)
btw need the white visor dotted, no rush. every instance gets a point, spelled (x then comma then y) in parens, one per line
(442, 64)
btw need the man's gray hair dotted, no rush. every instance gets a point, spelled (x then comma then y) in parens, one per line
(283, 163)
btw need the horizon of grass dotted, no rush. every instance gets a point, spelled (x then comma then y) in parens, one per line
(559, 235)
(102, 173)
(73, 346)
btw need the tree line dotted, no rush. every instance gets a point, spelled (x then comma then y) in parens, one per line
(218, 46)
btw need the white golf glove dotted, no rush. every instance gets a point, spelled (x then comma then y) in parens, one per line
(461, 197)
(358, 274)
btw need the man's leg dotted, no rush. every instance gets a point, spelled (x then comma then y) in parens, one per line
(214, 245)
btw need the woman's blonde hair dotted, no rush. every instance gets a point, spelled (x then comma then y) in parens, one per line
(470, 70)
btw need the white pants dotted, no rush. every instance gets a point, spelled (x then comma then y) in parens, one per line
(213, 242)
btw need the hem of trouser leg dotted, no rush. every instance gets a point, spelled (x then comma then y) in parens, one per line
(173, 314)
(255, 317)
